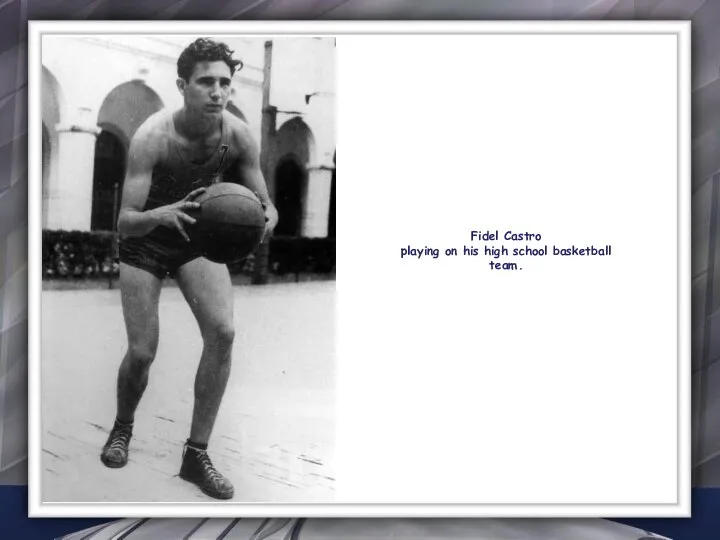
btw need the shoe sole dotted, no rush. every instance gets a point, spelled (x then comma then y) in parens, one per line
(113, 464)
(214, 495)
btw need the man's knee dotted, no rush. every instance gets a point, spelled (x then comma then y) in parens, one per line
(220, 335)
(141, 355)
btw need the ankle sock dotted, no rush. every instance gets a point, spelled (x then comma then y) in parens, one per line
(196, 446)
(120, 424)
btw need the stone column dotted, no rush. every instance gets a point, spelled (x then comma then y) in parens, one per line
(316, 206)
(70, 195)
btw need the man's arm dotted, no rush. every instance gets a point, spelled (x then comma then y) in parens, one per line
(249, 174)
(133, 221)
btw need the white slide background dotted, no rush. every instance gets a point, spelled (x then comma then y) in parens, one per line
(554, 384)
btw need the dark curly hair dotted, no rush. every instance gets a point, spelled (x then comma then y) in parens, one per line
(205, 50)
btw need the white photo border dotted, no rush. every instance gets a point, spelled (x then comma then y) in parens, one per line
(38, 508)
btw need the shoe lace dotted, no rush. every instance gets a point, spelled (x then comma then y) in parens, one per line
(120, 439)
(207, 466)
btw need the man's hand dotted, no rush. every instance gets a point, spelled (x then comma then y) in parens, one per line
(271, 217)
(174, 215)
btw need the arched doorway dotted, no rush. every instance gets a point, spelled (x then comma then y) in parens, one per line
(295, 137)
(108, 180)
(294, 146)
(290, 180)
(122, 112)
(127, 106)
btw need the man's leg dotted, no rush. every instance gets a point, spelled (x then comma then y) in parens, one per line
(140, 292)
(208, 290)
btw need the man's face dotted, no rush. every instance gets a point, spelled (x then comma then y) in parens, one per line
(208, 89)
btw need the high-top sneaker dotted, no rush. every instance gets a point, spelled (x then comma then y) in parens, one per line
(115, 452)
(199, 470)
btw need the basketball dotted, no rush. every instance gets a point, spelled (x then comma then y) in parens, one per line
(230, 222)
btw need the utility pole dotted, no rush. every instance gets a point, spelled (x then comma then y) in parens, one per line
(261, 269)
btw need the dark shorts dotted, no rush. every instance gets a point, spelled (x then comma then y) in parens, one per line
(160, 258)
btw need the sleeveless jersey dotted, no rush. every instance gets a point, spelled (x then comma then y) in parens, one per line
(176, 176)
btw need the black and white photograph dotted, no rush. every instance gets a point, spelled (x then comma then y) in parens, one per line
(187, 333)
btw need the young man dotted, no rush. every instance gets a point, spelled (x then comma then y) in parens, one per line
(173, 157)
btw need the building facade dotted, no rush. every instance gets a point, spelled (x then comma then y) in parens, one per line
(98, 90)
